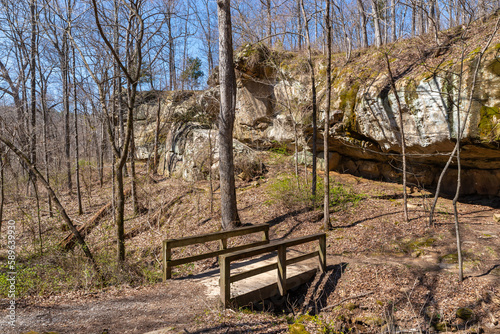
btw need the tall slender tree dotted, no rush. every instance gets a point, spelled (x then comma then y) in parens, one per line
(33, 57)
(227, 78)
(314, 101)
(326, 130)
(77, 141)
(131, 69)
(376, 23)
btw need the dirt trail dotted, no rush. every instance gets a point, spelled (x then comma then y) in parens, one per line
(177, 307)
(118, 311)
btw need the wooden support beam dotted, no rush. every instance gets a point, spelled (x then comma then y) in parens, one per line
(217, 235)
(239, 255)
(223, 243)
(195, 258)
(225, 284)
(167, 254)
(282, 269)
(301, 258)
(253, 272)
(322, 253)
(265, 235)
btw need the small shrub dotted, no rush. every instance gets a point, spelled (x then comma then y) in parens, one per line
(248, 166)
(290, 192)
(280, 148)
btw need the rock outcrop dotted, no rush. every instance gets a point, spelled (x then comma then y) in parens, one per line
(437, 96)
(440, 91)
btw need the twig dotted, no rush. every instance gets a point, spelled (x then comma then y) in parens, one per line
(346, 299)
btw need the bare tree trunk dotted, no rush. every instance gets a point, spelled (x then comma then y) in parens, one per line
(184, 51)
(171, 54)
(101, 155)
(314, 105)
(65, 74)
(364, 33)
(423, 26)
(131, 92)
(77, 152)
(33, 8)
(457, 193)
(120, 210)
(39, 220)
(402, 133)
(376, 24)
(269, 23)
(437, 17)
(299, 24)
(326, 131)
(210, 173)
(135, 201)
(43, 95)
(132, 71)
(385, 22)
(157, 137)
(393, 20)
(413, 18)
(229, 211)
(457, 151)
(210, 58)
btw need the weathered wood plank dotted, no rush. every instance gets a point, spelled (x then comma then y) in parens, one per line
(217, 235)
(301, 258)
(238, 255)
(199, 257)
(253, 272)
(273, 266)
(282, 268)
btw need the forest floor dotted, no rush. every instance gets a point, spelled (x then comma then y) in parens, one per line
(384, 274)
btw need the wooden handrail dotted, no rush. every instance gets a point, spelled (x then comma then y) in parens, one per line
(225, 263)
(170, 244)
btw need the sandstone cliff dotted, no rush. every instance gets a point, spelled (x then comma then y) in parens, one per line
(435, 82)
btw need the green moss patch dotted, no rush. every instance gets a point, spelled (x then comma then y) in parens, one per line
(416, 246)
(488, 128)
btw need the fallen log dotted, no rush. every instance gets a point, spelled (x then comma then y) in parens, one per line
(69, 241)
(143, 227)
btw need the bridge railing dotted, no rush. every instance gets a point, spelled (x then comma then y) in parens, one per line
(222, 237)
(225, 263)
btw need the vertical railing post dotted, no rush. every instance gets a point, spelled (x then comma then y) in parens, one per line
(282, 269)
(322, 253)
(167, 253)
(265, 235)
(225, 283)
(223, 243)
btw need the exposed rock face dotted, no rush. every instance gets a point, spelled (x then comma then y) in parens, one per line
(185, 120)
(365, 130)
(188, 142)
(273, 109)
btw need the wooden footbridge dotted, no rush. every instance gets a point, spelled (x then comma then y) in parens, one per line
(254, 271)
